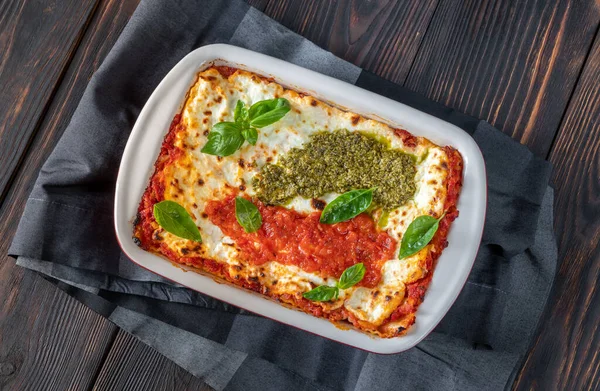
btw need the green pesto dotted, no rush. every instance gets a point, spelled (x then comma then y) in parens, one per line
(337, 162)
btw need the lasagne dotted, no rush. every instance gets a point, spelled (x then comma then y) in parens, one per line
(292, 171)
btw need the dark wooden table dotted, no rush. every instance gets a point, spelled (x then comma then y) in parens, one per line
(531, 68)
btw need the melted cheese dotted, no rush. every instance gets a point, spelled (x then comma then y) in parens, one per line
(197, 178)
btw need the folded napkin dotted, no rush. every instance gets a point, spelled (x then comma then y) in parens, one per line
(66, 232)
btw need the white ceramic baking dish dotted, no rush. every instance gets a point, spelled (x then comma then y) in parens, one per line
(167, 100)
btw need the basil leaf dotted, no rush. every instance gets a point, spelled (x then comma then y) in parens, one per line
(352, 276)
(247, 214)
(418, 234)
(176, 220)
(240, 114)
(347, 206)
(224, 139)
(322, 293)
(267, 112)
(251, 135)
(261, 107)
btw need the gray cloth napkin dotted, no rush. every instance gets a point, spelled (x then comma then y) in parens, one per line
(66, 232)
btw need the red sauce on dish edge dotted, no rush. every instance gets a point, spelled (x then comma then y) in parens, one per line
(292, 238)
(225, 71)
(156, 188)
(407, 138)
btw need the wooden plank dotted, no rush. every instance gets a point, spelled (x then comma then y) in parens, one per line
(566, 353)
(77, 338)
(48, 340)
(132, 365)
(258, 4)
(29, 72)
(512, 63)
(381, 36)
(105, 27)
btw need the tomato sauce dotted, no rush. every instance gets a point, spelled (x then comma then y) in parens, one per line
(225, 71)
(292, 238)
(155, 192)
(407, 138)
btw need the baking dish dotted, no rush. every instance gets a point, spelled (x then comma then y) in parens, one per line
(153, 122)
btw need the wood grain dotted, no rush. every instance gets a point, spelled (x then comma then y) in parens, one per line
(131, 365)
(27, 298)
(566, 354)
(48, 340)
(29, 72)
(258, 4)
(381, 36)
(105, 27)
(512, 63)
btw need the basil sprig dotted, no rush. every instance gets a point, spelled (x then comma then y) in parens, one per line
(418, 234)
(247, 214)
(322, 293)
(350, 277)
(347, 206)
(224, 139)
(227, 137)
(176, 220)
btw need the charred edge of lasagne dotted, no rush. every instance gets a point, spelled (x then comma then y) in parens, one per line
(404, 315)
(145, 224)
(399, 321)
